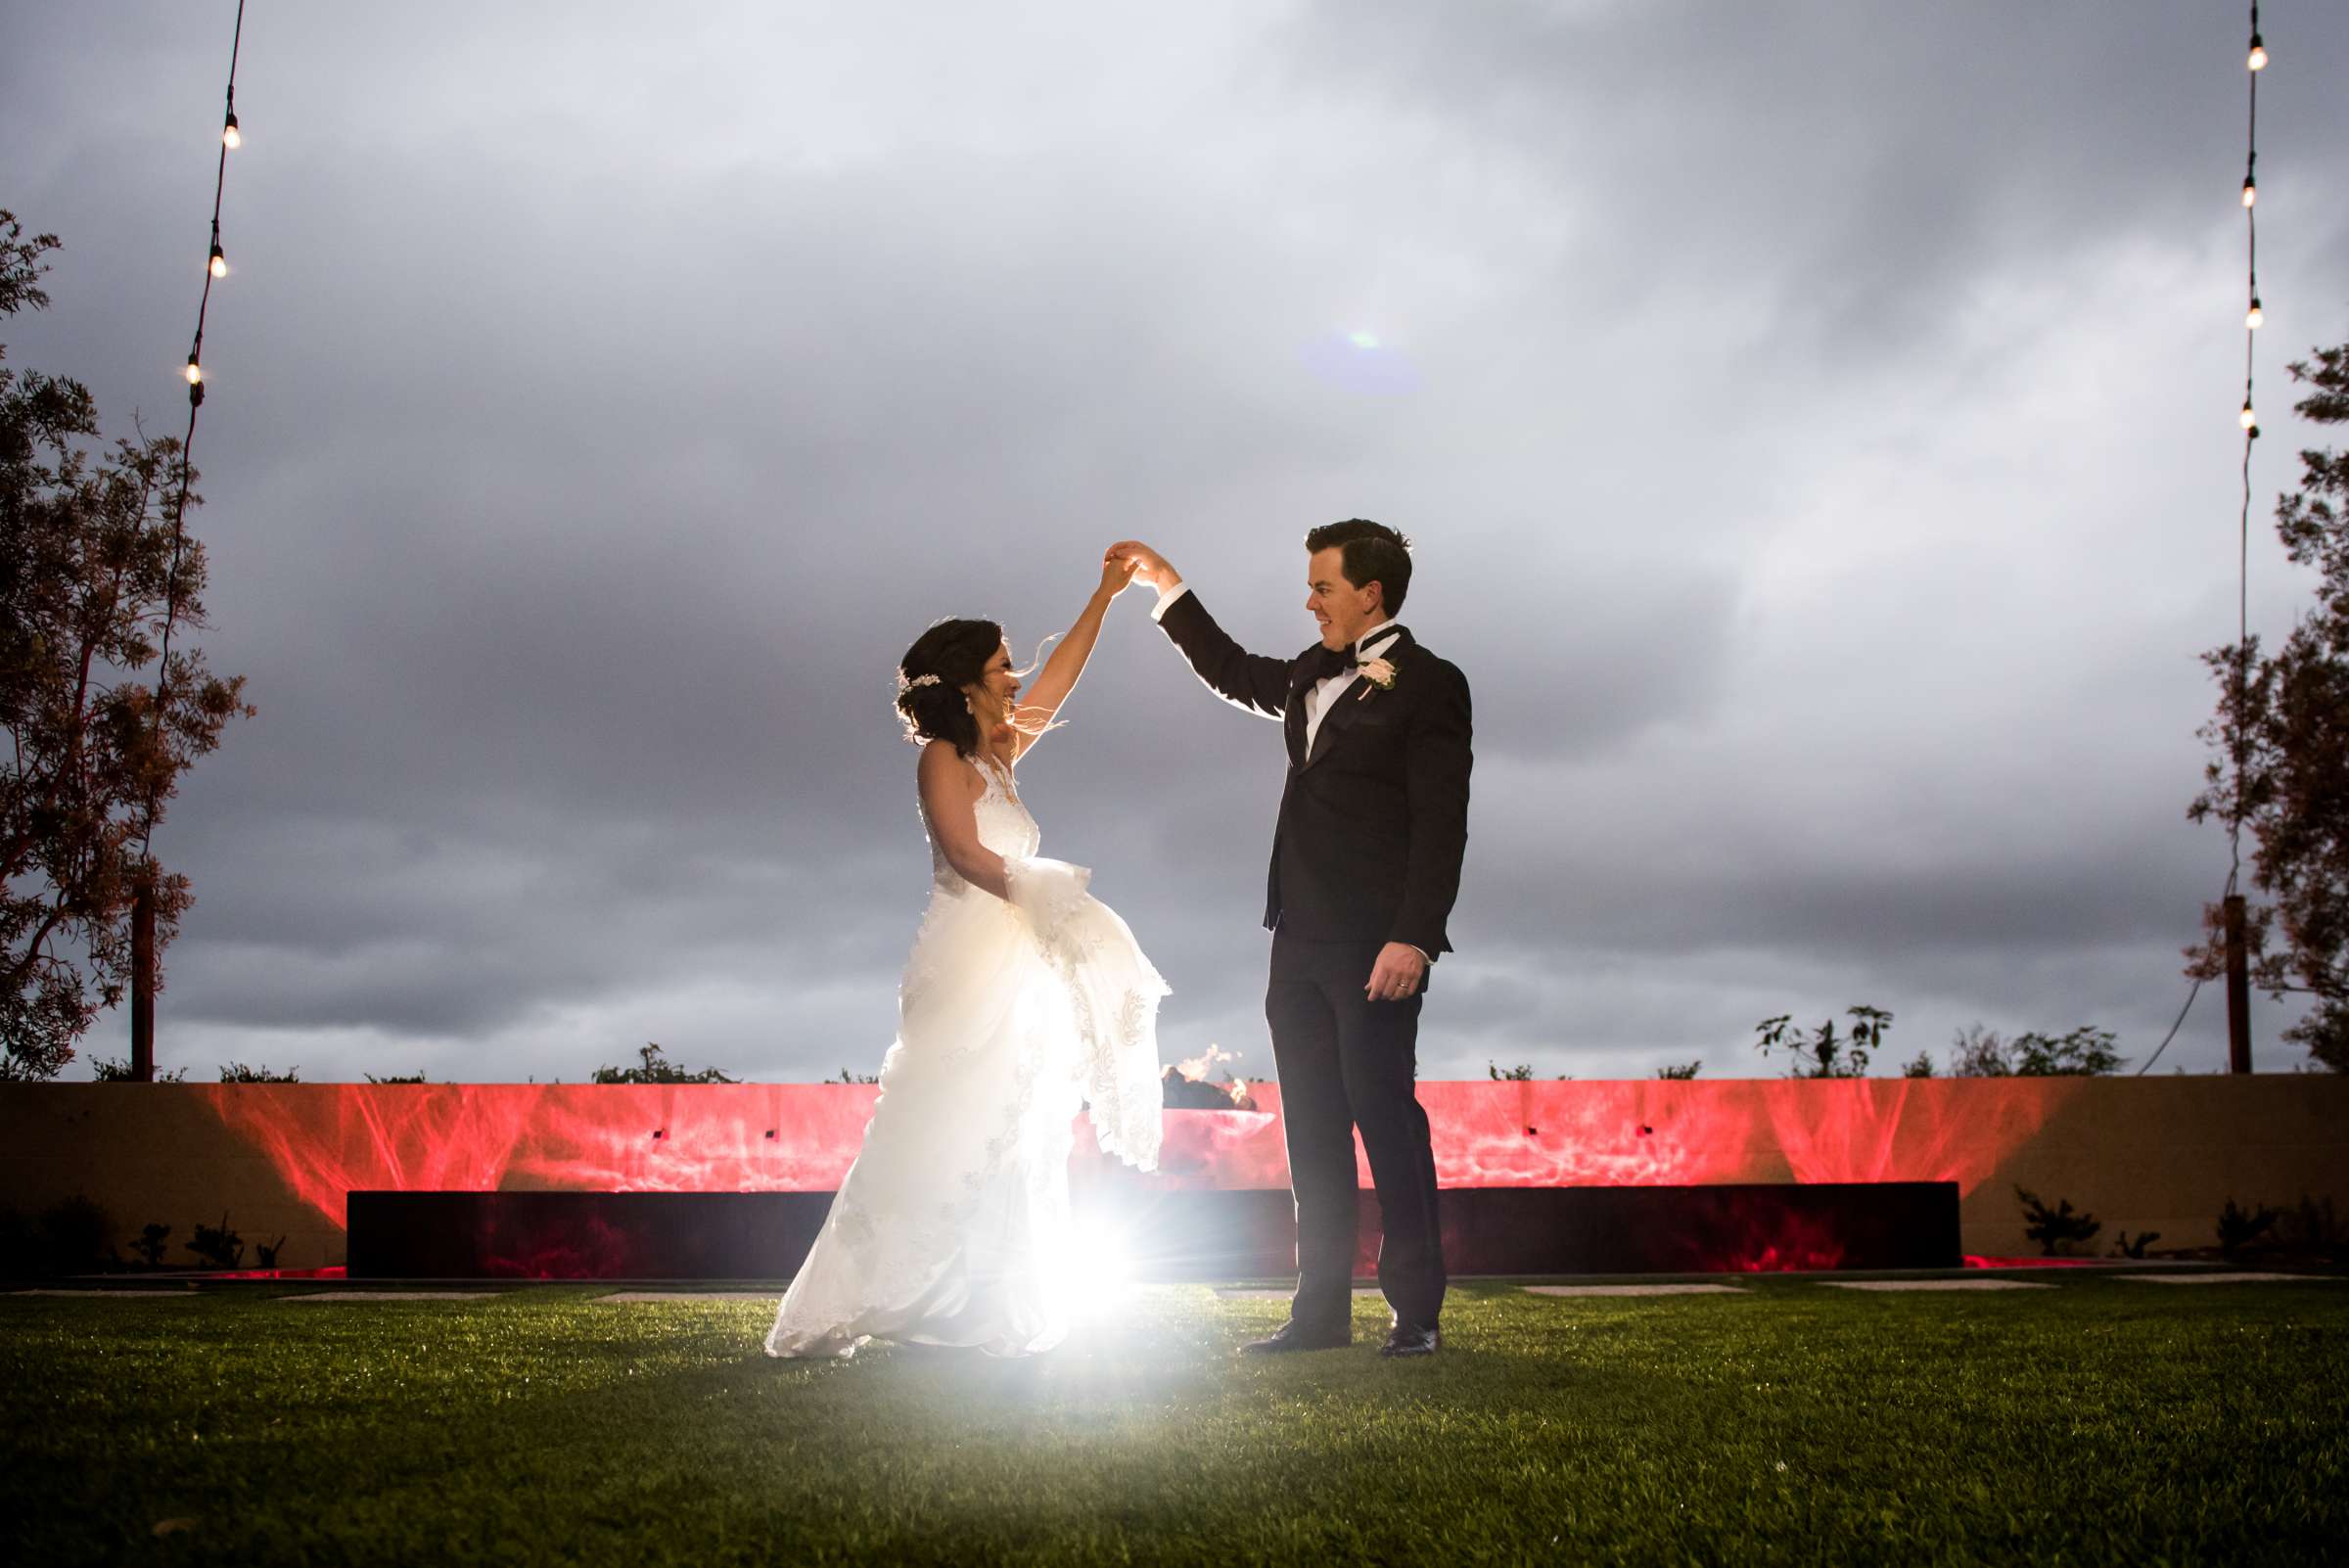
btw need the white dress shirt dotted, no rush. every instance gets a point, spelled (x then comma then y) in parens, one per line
(1325, 692)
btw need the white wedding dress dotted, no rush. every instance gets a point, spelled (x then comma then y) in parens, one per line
(953, 1228)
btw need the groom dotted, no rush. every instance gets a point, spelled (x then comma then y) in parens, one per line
(1365, 865)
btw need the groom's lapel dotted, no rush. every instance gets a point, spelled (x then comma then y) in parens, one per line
(1292, 718)
(1349, 702)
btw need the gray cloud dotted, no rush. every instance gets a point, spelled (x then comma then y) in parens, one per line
(1815, 424)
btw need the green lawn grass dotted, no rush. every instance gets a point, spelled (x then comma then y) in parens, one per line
(2102, 1422)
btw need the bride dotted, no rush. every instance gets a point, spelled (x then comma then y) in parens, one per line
(1023, 999)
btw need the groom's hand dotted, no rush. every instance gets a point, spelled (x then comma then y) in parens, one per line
(1148, 565)
(1398, 973)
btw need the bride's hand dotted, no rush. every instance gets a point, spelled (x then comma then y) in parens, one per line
(1117, 573)
(1146, 564)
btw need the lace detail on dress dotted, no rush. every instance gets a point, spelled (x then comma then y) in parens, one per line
(952, 1225)
(1114, 993)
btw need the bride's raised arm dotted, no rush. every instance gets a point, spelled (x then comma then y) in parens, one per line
(950, 788)
(1034, 714)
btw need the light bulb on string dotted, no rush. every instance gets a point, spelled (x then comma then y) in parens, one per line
(219, 261)
(2254, 316)
(2248, 419)
(195, 372)
(2258, 59)
(2250, 191)
(230, 136)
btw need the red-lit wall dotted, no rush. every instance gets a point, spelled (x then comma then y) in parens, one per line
(327, 1139)
(2160, 1152)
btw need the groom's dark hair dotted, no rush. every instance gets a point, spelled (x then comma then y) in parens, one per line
(1373, 553)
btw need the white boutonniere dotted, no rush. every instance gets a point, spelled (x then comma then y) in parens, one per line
(1379, 673)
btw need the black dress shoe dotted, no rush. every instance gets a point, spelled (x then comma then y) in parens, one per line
(1295, 1336)
(1411, 1339)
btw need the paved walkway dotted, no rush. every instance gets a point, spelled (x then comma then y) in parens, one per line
(1922, 1282)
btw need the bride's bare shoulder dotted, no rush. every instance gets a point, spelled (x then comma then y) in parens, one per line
(943, 767)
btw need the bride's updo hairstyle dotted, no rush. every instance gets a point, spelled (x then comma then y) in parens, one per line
(948, 657)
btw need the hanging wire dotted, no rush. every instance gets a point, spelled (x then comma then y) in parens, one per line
(2255, 60)
(216, 266)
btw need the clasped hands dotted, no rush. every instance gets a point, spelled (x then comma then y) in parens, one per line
(1401, 968)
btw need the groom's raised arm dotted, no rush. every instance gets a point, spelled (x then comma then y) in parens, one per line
(1254, 681)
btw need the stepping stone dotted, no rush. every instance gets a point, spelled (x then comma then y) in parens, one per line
(1253, 1293)
(1936, 1284)
(693, 1295)
(1636, 1290)
(399, 1295)
(2216, 1280)
(143, 1295)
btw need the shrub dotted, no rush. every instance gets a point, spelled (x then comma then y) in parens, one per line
(149, 1248)
(1522, 1072)
(73, 1235)
(2057, 1227)
(398, 1078)
(239, 1073)
(2314, 1230)
(1823, 1054)
(1680, 1070)
(2240, 1233)
(2085, 1052)
(219, 1245)
(654, 1068)
(19, 1258)
(2125, 1248)
(116, 1070)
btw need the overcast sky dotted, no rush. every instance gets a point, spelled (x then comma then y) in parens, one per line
(1816, 424)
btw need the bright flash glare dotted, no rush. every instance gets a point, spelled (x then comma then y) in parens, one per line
(1093, 1275)
(1362, 339)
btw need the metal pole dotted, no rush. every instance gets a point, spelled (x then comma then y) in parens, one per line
(2239, 989)
(142, 984)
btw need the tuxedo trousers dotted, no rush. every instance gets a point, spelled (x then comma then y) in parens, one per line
(1344, 1063)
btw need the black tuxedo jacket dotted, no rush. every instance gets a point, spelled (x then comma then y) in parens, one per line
(1375, 820)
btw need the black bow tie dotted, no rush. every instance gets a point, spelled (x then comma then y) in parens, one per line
(1324, 663)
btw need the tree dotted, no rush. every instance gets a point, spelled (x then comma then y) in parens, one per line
(88, 592)
(1823, 1054)
(2280, 764)
(2083, 1052)
(654, 1068)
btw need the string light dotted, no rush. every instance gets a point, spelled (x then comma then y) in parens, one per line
(215, 268)
(2257, 59)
